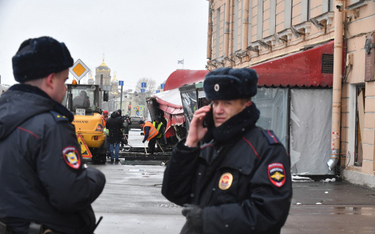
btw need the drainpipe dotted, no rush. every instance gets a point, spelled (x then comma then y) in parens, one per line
(226, 28)
(209, 31)
(337, 84)
(231, 29)
(245, 26)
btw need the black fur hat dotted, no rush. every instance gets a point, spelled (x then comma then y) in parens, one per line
(39, 57)
(228, 84)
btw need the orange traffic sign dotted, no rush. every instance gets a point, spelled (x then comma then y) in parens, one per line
(85, 152)
(79, 69)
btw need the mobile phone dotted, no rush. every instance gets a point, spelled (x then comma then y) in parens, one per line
(208, 121)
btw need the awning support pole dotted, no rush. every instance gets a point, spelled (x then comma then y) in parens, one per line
(337, 85)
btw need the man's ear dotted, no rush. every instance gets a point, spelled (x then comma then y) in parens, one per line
(249, 103)
(51, 78)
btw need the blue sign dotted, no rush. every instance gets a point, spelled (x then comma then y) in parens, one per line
(121, 82)
(142, 90)
(157, 91)
(143, 84)
(162, 86)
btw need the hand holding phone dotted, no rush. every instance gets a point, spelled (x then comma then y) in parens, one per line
(202, 117)
(208, 121)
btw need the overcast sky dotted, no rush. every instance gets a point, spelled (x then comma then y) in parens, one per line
(139, 39)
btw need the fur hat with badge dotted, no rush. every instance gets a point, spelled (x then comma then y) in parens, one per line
(228, 84)
(38, 57)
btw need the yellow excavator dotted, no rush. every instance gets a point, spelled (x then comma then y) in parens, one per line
(85, 101)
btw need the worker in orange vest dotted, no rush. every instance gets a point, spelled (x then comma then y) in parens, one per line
(150, 133)
(105, 117)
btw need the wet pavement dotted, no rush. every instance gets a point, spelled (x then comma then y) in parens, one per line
(132, 203)
(331, 207)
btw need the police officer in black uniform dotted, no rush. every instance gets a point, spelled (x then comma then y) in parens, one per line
(238, 180)
(43, 178)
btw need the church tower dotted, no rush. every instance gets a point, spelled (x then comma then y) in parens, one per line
(103, 75)
(114, 85)
(91, 80)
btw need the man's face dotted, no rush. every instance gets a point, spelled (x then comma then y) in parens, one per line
(60, 88)
(223, 110)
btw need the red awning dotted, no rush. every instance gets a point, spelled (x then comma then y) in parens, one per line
(298, 69)
(179, 78)
(170, 103)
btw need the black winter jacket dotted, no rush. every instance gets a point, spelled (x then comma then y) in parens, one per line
(243, 184)
(41, 170)
(115, 126)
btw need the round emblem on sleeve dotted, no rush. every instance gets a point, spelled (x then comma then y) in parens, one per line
(225, 181)
(216, 87)
(71, 157)
(276, 174)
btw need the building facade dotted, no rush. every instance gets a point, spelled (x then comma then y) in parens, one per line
(316, 88)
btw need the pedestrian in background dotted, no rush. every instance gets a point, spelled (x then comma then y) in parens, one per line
(114, 125)
(43, 178)
(150, 133)
(238, 180)
(126, 124)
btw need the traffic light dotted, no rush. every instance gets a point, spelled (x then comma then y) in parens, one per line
(105, 96)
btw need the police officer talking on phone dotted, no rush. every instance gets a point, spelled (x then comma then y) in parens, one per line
(231, 176)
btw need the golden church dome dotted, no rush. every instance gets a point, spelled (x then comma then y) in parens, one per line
(114, 79)
(103, 66)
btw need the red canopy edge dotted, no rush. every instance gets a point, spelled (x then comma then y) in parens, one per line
(168, 104)
(173, 112)
(173, 120)
(298, 69)
(179, 78)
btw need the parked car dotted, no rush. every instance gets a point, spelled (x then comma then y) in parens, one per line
(135, 121)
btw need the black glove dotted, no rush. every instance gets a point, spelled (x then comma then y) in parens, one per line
(143, 141)
(193, 214)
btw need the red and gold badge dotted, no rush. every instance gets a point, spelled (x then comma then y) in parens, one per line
(71, 157)
(276, 173)
(225, 181)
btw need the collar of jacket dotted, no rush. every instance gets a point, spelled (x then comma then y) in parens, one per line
(35, 90)
(234, 127)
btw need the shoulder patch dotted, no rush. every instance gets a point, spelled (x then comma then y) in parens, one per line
(276, 174)
(58, 117)
(71, 157)
(271, 137)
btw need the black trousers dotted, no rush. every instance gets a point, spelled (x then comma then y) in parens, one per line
(151, 145)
